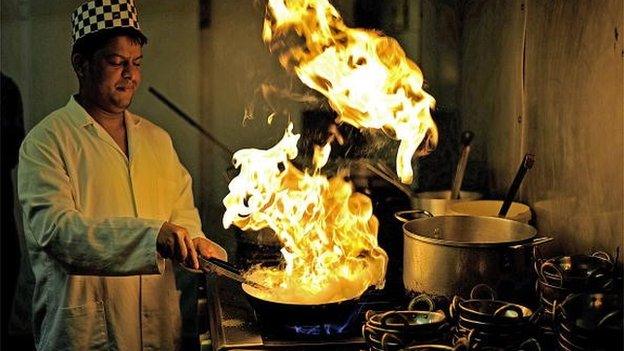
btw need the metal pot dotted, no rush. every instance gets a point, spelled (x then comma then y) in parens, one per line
(448, 255)
(438, 202)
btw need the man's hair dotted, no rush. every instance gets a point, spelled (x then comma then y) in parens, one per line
(89, 44)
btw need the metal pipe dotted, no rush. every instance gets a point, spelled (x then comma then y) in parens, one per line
(190, 121)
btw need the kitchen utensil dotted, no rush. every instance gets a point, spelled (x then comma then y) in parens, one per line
(287, 316)
(517, 211)
(526, 164)
(466, 139)
(438, 202)
(388, 176)
(448, 255)
(227, 270)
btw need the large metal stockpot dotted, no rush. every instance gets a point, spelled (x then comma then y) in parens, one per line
(448, 255)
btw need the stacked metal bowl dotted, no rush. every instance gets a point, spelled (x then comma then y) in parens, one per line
(559, 277)
(590, 322)
(395, 330)
(488, 323)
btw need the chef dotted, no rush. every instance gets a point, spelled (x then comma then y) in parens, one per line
(106, 202)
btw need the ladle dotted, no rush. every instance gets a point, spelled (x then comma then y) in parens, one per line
(526, 164)
(466, 139)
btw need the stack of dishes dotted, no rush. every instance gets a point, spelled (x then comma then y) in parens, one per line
(395, 330)
(490, 323)
(590, 322)
(559, 277)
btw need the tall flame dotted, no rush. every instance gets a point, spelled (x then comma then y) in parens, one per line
(366, 77)
(328, 232)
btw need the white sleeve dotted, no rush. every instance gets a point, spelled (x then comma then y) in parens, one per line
(82, 245)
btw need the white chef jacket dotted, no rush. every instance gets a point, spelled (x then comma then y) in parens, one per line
(91, 217)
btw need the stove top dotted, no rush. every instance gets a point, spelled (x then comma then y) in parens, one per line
(234, 326)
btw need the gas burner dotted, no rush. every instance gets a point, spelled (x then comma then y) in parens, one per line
(350, 326)
(234, 326)
(319, 330)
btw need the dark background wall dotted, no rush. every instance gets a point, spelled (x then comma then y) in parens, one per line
(547, 77)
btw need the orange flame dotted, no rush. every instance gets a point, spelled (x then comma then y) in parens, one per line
(366, 77)
(328, 232)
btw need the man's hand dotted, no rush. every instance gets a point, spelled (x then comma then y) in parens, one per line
(175, 242)
(208, 249)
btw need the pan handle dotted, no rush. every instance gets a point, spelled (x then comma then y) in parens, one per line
(550, 268)
(390, 341)
(453, 307)
(534, 242)
(483, 290)
(602, 255)
(401, 215)
(538, 260)
(609, 316)
(421, 298)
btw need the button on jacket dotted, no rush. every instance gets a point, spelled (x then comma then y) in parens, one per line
(91, 217)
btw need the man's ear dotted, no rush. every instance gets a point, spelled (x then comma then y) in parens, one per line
(80, 64)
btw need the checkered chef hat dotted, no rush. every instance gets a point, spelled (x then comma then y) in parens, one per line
(97, 15)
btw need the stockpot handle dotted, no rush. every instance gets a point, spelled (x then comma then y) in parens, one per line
(482, 287)
(538, 259)
(453, 306)
(383, 320)
(557, 311)
(365, 328)
(550, 268)
(421, 298)
(602, 255)
(609, 316)
(400, 215)
(369, 314)
(389, 338)
(534, 242)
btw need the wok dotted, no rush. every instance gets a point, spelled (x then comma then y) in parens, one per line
(330, 318)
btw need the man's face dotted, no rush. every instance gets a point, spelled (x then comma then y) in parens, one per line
(113, 74)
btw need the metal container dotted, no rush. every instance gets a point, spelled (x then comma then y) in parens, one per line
(438, 202)
(448, 255)
(517, 211)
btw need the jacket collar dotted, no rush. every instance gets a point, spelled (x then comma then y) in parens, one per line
(82, 118)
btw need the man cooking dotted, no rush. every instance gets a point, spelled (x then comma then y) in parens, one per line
(106, 201)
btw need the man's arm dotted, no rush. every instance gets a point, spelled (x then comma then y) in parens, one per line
(83, 245)
(185, 214)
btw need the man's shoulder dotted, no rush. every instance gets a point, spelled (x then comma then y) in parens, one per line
(51, 125)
